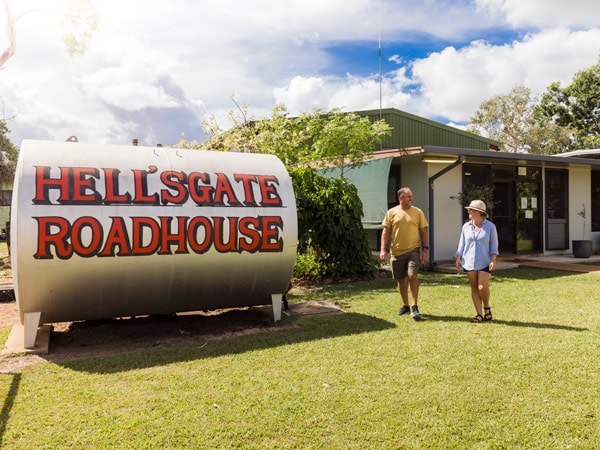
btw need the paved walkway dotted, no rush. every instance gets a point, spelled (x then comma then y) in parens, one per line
(568, 263)
(557, 262)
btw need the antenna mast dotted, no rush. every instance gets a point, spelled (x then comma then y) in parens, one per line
(380, 78)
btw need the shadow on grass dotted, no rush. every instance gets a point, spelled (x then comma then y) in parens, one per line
(500, 276)
(512, 323)
(155, 342)
(531, 274)
(8, 402)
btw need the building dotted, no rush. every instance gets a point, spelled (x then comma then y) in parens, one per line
(537, 198)
(5, 200)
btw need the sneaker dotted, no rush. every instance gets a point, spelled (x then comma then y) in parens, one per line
(415, 313)
(404, 310)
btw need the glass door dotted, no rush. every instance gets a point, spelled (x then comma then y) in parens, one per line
(528, 209)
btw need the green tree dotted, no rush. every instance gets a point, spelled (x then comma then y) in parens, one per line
(548, 138)
(576, 106)
(290, 139)
(505, 118)
(329, 225)
(322, 139)
(345, 139)
(239, 136)
(9, 154)
(515, 120)
(330, 212)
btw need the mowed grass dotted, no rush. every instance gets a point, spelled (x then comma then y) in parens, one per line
(363, 379)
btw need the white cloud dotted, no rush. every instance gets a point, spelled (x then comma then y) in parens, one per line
(302, 94)
(154, 68)
(357, 94)
(545, 13)
(454, 82)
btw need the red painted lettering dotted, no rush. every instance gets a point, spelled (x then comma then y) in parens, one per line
(247, 181)
(174, 180)
(111, 182)
(84, 186)
(85, 236)
(220, 245)
(249, 240)
(201, 195)
(139, 224)
(194, 228)
(268, 190)
(140, 178)
(43, 184)
(168, 238)
(270, 226)
(53, 232)
(96, 235)
(116, 237)
(222, 189)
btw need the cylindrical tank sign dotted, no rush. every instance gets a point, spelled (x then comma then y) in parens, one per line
(103, 231)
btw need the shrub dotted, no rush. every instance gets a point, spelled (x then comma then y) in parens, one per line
(329, 225)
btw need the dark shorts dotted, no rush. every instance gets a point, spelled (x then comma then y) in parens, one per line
(486, 269)
(406, 264)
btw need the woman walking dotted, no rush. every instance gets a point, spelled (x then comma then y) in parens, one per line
(476, 254)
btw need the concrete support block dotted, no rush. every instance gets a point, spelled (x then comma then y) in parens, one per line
(277, 300)
(31, 325)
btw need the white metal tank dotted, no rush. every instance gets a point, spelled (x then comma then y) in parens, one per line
(103, 231)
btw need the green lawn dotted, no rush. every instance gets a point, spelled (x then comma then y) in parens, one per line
(364, 379)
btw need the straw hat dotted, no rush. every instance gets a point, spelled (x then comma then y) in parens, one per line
(477, 205)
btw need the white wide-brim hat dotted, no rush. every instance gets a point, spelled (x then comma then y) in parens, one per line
(477, 205)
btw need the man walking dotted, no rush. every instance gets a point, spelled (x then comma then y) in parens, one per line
(407, 227)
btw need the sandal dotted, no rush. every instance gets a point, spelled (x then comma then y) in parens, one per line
(488, 314)
(477, 319)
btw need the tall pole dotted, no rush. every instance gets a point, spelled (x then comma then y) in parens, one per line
(380, 76)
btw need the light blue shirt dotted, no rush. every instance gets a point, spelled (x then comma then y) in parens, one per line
(476, 248)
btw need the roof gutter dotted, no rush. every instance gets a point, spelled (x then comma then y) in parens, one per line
(458, 162)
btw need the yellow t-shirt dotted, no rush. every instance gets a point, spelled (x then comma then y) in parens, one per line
(404, 226)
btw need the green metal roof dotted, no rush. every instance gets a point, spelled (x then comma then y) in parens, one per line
(409, 130)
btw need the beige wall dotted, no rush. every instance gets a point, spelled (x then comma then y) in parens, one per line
(579, 194)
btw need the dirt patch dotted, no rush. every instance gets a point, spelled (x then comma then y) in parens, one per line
(9, 314)
(71, 341)
(88, 339)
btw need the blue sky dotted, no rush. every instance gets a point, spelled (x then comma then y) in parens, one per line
(154, 70)
(362, 57)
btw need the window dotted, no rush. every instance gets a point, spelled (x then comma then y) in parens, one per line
(475, 176)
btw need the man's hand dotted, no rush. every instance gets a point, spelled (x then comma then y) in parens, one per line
(383, 255)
